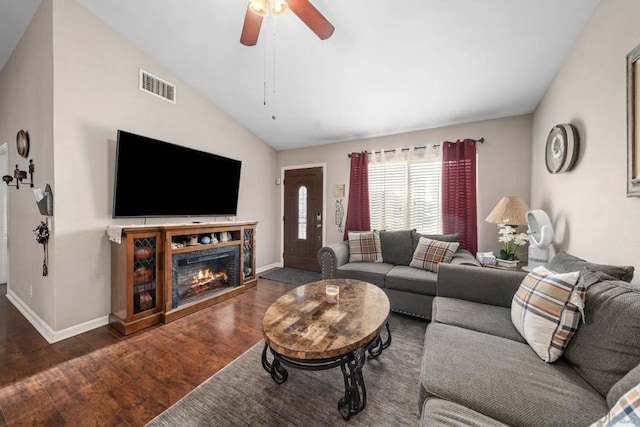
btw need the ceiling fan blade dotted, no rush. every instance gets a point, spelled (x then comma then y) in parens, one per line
(251, 28)
(312, 18)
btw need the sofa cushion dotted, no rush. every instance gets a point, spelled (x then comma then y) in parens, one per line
(397, 246)
(505, 380)
(625, 384)
(486, 318)
(411, 279)
(607, 345)
(546, 310)
(439, 412)
(364, 246)
(415, 238)
(626, 411)
(372, 272)
(564, 263)
(429, 253)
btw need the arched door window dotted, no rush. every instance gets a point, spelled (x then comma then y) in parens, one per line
(302, 213)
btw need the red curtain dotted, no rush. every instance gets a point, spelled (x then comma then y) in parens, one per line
(358, 218)
(459, 205)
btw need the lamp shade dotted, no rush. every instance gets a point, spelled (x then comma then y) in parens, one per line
(510, 209)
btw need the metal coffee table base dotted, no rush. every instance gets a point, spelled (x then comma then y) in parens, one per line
(355, 392)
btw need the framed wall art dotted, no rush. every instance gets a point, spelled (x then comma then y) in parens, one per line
(633, 123)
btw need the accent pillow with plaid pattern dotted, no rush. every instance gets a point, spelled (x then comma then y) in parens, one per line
(429, 253)
(364, 246)
(546, 310)
(626, 411)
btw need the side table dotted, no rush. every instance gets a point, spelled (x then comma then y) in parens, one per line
(520, 267)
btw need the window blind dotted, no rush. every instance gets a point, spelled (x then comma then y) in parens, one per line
(405, 195)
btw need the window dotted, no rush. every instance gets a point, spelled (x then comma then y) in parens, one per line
(405, 195)
(302, 213)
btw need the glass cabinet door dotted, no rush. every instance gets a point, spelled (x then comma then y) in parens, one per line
(144, 274)
(247, 246)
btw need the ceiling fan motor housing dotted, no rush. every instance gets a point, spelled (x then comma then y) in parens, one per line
(257, 9)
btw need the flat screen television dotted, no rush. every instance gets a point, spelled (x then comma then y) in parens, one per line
(159, 179)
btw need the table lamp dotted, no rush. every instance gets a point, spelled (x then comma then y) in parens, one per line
(510, 209)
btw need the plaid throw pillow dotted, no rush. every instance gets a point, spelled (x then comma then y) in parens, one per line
(429, 253)
(546, 310)
(364, 246)
(626, 411)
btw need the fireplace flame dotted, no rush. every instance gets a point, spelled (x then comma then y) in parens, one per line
(206, 277)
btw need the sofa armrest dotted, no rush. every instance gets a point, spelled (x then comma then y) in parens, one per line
(464, 257)
(331, 257)
(482, 285)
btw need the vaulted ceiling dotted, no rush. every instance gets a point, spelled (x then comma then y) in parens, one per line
(389, 67)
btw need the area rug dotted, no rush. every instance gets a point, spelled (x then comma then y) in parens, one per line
(243, 393)
(293, 276)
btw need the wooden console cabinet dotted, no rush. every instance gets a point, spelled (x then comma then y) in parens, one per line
(141, 269)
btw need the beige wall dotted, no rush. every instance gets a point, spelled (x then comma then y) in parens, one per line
(26, 102)
(588, 205)
(73, 82)
(96, 79)
(503, 165)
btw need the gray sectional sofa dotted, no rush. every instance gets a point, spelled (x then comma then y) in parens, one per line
(477, 370)
(410, 290)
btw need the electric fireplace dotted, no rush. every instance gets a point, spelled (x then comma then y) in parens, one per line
(201, 274)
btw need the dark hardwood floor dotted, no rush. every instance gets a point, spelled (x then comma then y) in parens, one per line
(102, 378)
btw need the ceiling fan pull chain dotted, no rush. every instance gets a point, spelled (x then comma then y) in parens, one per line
(264, 75)
(273, 104)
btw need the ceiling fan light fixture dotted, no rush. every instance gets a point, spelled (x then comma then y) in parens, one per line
(257, 10)
(259, 7)
(279, 7)
(268, 7)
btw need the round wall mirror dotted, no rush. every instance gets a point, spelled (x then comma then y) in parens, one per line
(22, 143)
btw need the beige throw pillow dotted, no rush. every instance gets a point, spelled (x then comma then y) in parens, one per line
(626, 411)
(364, 246)
(546, 310)
(429, 253)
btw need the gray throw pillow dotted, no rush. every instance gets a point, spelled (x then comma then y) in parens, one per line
(396, 246)
(565, 263)
(454, 237)
(607, 344)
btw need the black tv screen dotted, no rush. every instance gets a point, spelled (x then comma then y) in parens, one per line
(158, 179)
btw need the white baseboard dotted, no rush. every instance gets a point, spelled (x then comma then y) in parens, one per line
(81, 328)
(43, 327)
(54, 336)
(268, 267)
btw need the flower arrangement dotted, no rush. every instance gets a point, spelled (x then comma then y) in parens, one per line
(510, 240)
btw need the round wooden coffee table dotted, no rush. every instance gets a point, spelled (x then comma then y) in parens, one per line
(303, 331)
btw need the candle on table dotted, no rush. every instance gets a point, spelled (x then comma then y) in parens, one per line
(331, 293)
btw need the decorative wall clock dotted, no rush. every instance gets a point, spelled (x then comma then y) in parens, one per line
(22, 143)
(562, 148)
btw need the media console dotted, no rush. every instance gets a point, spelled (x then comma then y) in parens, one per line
(160, 273)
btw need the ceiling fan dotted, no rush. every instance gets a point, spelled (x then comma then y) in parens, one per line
(258, 9)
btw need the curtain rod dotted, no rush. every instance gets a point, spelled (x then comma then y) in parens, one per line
(423, 147)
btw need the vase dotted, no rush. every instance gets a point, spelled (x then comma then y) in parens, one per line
(507, 263)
